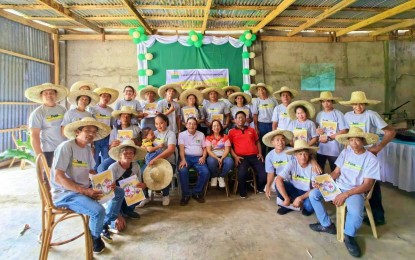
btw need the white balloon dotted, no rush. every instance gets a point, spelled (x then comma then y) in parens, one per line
(149, 72)
(252, 72)
(149, 56)
(252, 55)
(136, 34)
(248, 36)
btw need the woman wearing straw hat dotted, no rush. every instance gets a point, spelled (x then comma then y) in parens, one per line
(148, 96)
(169, 107)
(303, 128)
(356, 171)
(82, 85)
(240, 102)
(192, 98)
(262, 108)
(370, 122)
(280, 117)
(215, 109)
(126, 156)
(45, 121)
(294, 181)
(102, 113)
(229, 90)
(70, 184)
(130, 101)
(330, 123)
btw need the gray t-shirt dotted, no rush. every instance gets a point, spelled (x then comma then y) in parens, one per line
(118, 171)
(197, 113)
(281, 116)
(134, 104)
(303, 130)
(300, 177)
(210, 111)
(149, 108)
(114, 132)
(324, 119)
(76, 162)
(166, 138)
(354, 168)
(102, 114)
(163, 107)
(227, 102)
(48, 120)
(73, 115)
(370, 121)
(263, 108)
(235, 109)
(275, 162)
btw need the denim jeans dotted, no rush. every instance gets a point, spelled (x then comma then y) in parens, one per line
(259, 169)
(105, 164)
(98, 215)
(293, 193)
(101, 147)
(354, 215)
(321, 161)
(264, 128)
(152, 155)
(165, 191)
(202, 169)
(213, 166)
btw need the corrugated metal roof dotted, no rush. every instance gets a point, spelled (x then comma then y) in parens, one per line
(238, 13)
(378, 3)
(230, 24)
(41, 13)
(323, 3)
(247, 2)
(101, 12)
(301, 13)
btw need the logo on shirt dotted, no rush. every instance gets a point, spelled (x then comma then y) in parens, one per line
(213, 110)
(198, 141)
(283, 115)
(78, 163)
(352, 166)
(101, 116)
(265, 106)
(300, 178)
(357, 124)
(279, 163)
(54, 117)
(159, 140)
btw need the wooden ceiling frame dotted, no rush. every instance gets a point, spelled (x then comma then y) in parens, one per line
(206, 15)
(20, 19)
(280, 8)
(131, 8)
(392, 28)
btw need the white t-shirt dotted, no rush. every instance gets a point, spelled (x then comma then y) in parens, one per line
(354, 168)
(303, 130)
(102, 114)
(275, 162)
(369, 121)
(163, 107)
(331, 148)
(300, 177)
(217, 108)
(166, 138)
(118, 171)
(73, 115)
(263, 108)
(235, 109)
(281, 116)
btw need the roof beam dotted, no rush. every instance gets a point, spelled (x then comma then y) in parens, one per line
(376, 18)
(20, 19)
(67, 13)
(324, 15)
(206, 15)
(24, 7)
(393, 27)
(134, 11)
(280, 8)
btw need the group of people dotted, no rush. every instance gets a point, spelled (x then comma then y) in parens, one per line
(212, 131)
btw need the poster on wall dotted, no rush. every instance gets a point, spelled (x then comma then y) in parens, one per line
(196, 77)
(318, 77)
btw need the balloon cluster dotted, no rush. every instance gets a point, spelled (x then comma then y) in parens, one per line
(138, 34)
(145, 72)
(147, 56)
(247, 38)
(248, 55)
(195, 39)
(245, 87)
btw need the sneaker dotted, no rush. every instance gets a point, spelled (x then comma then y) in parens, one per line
(283, 210)
(214, 182)
(199, 198)
(98, 245)
(378, 222)
(184, 201)
(352, 246)
(166, 200)
(243, 197)
(143, 203)
(106, 234)
(131, 214)
(222, 183)
(307, 213)
(319, 228)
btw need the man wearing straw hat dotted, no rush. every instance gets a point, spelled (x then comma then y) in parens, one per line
(356, 171)
(229, 90)
(45, 121)
(370, 122)
(70, 184)
(169, 107)
(280, 117)
(148, 96)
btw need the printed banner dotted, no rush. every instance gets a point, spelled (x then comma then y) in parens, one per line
(191, 78)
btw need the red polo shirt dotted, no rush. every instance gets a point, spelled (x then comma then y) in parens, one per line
(243, 141)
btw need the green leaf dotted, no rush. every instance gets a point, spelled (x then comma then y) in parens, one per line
(15, 153)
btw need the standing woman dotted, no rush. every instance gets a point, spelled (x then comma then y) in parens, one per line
(229, 90)
(149, 97)
(301, 126)
(218, 147)
(82, 85)
(129, 101)
(169, 107)
(240, 102)
(262, 108)
(215, 109)
(45, 121)
(330, 123)
(192, 98)
(280, 118)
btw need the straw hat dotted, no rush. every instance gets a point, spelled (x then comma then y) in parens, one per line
(140, 153)
(267, 139)
(124, 110)
(325, 95)
(233, 96)
(201, 87)
(254, 88)
(357, 132)
(77, 85)
(159, 175)
(277, 94)
(103, 129)
(301, 145)
(74, 94)
(142, 92)
(162, 90)
(311, 111)
(195, 92)
(206, 92)
(33, 93)
(113, 92)
(234, 88)
(359, 97)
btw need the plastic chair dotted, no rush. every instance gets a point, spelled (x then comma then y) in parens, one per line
(52, 215)
(341, 214)
(235, 179)
(20, 131)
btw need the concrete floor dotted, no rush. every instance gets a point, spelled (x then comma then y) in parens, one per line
(222, 228)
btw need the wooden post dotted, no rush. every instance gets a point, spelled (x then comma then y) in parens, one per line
(56, 58)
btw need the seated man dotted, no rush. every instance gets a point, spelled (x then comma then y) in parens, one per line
(70, 184)
(192, 155)
(294, 182)
(246, 151)
(356, 171)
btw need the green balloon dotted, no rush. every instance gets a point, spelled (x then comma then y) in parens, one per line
(192, 32)
(245, 87)
(253, 37)
(143, 37)
(140, 29)
(136, 41)
(245, 71)
(198, 44)
(141, 72)
(248, 43)
(242, 38)
(141, 56)
(245, 55)
(130, 32)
